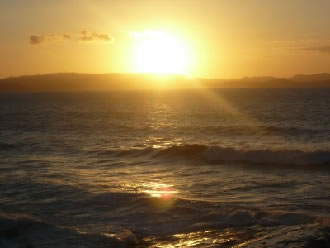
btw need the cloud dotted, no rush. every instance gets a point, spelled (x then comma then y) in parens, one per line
(35, 39)
(321, 49)
(38, 39)
(84, 36)
(87, 36)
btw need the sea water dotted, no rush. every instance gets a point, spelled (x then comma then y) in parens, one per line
(166, 168)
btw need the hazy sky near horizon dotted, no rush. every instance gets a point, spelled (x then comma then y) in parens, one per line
(226, 38)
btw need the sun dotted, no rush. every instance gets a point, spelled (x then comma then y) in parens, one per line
(159, 52)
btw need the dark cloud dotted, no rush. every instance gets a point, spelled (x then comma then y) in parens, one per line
(87, 36)
(35, 39)
(321, 49)
(38, 39)
(84, 36)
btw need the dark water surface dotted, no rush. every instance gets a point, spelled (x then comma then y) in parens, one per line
(183, 168)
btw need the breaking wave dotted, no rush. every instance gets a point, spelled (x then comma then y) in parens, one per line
(217, 154)
(17, 230)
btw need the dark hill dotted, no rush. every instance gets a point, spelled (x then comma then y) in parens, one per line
(74, 82)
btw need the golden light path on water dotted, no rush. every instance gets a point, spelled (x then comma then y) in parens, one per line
(162, 197)
(160, 190)
(163, 194)
(207, 238)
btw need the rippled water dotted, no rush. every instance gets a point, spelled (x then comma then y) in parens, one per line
(189, 168)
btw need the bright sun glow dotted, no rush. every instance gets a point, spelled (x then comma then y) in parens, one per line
(159, 52)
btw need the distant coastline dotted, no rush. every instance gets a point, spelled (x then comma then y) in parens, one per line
(76, 82)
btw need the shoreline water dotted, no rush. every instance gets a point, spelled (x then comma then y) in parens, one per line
(124, 170)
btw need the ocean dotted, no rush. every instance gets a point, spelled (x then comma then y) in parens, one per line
(166, 168)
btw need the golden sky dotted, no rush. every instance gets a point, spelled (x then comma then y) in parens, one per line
(213, 38)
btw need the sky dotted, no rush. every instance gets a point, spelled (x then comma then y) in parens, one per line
(222, 38)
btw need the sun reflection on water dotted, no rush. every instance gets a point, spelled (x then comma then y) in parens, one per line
(162, 195)
(162, 192)
(162, 142)
(206, 238)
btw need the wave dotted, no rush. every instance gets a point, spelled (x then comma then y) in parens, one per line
(16, 230)
(201, 218)
(19, 230)
(7, 146)
(217, 154)
(143, 214)
(277, 227)
(258, 130)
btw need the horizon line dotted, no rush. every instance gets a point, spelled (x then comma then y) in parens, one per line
(164, 75)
